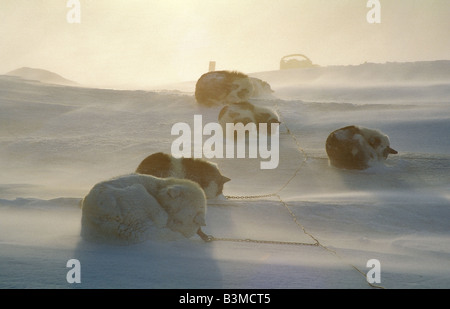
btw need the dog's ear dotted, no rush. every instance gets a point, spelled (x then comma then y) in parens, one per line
(225, 179)
(174, 191)
(392, 151)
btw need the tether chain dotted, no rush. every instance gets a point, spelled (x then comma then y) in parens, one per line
(249, 197)
(305, 157)
(210, 238)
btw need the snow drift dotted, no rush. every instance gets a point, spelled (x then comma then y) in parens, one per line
(56, 142)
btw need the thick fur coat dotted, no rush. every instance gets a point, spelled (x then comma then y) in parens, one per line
(355, 147)
(225, 87)
(203, 172)
(245, 113)
(134, 208)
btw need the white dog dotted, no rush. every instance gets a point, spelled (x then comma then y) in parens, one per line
(130, 208)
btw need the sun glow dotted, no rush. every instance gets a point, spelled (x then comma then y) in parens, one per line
(145, 42)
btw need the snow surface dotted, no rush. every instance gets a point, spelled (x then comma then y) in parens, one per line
(56, 142)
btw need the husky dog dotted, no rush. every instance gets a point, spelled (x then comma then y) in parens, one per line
(260, 88)
(355, 147)
(203, 172)
(245, 113)
(223, 87)
(132, 208)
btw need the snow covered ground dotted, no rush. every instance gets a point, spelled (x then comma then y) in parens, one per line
(56, 142)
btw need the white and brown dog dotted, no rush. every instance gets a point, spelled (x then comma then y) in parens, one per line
(355, 147)
(203, 172)
(225, 87)
(133, 208)
(245, 113)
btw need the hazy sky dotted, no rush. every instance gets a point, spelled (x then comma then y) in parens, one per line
(142, 42)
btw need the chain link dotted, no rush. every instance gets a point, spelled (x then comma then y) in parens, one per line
(210, 238)
(248, 197)
(272, 242)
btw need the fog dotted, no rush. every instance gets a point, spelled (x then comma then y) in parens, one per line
(135, 44)
(58, 141)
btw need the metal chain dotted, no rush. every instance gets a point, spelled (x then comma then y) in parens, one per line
(272, 242)
(305, 158)
(210, 238)
(249, 197)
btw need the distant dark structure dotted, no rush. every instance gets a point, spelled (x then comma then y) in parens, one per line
(296, 61)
